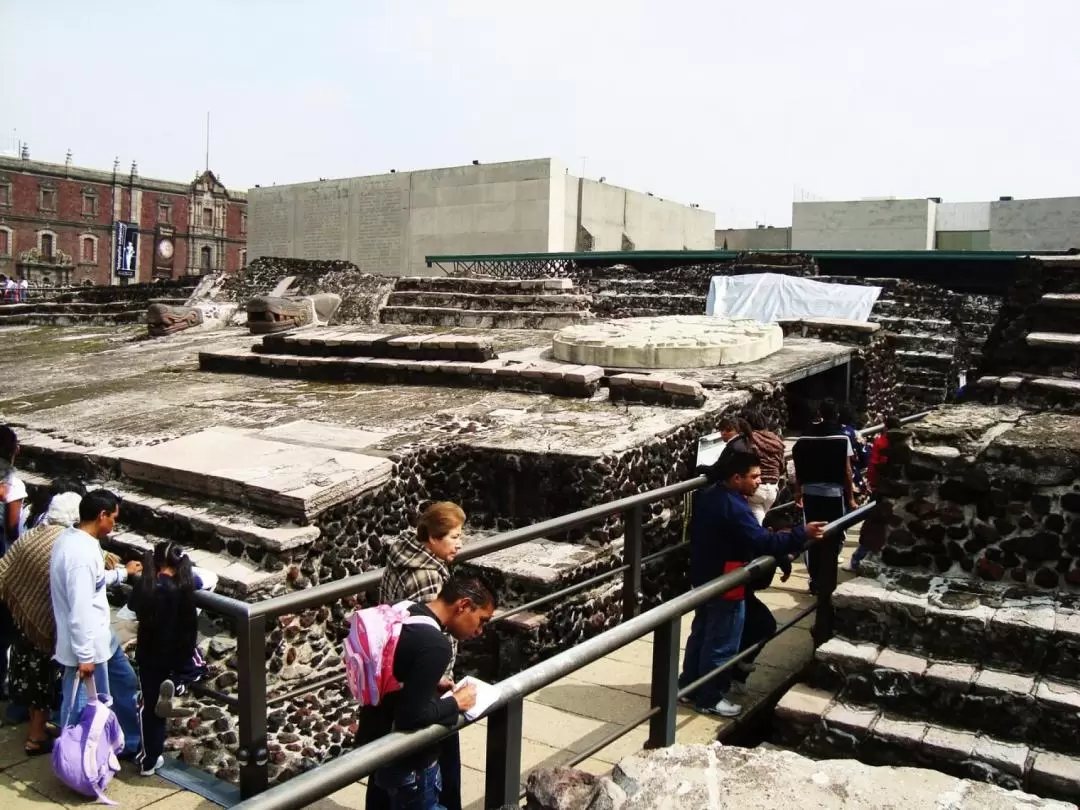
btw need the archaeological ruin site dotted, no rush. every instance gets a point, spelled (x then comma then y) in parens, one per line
(286, 423)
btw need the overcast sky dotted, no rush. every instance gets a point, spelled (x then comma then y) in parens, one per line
(739, 107)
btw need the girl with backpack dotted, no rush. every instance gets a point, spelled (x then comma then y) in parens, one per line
(165, 647)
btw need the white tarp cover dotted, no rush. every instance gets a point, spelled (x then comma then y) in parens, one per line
(769, 297)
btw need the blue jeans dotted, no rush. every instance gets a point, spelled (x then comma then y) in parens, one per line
(714, 639)
(416, 789)
(116, 678)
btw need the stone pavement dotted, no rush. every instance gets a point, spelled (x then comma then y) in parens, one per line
(560, 720)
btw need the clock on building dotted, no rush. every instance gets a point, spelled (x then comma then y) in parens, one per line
(165, 249)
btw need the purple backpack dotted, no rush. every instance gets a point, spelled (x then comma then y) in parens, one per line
(84, 755)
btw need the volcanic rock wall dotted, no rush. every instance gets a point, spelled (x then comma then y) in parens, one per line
(986, 492)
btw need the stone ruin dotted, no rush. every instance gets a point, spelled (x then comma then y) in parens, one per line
(958, 646)
(292, 488)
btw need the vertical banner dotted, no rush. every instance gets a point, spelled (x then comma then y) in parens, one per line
(126, 261)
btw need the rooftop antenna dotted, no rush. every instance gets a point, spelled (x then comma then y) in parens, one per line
(208, 140)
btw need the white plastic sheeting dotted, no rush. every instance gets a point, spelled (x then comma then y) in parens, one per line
(769, 297)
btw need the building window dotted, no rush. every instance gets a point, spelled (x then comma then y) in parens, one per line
(243, 259)
(47, 199)
(5, 241)
(88, 250)
(5, 193)
(208, 217)
(206, 258)
(164, 212)
(89, 204)
(243, 223)
(46, 245)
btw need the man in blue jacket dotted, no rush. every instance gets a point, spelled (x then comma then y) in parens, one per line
(725, 535)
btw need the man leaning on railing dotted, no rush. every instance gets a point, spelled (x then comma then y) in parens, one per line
(724, 536)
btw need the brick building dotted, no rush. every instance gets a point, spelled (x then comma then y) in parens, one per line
(62, 224)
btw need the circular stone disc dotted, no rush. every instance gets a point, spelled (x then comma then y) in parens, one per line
(676, 341)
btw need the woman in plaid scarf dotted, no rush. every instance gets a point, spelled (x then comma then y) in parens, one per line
(416, 570)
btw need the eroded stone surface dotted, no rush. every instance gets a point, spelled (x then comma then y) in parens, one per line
(713, 776)
(680, 341)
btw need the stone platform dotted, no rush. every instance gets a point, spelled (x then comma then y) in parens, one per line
(678, 341)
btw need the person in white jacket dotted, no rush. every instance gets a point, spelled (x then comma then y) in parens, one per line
(86, 647)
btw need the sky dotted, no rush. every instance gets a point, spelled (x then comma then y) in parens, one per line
(738, 107)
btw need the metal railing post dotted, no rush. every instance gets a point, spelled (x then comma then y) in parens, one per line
(502, 778)
(827, 554)
(632, 541)
(665, 684)
(252, 754)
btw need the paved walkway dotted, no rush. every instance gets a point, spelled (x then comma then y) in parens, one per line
(561, 720)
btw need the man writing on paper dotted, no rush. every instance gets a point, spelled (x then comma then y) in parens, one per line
(462, 609)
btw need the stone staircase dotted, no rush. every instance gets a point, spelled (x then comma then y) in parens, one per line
(487, 303)
(76, 313)
(1037, 354)
(975, 685)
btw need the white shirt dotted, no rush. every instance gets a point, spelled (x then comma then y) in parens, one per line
(77, 583)
(16, 492)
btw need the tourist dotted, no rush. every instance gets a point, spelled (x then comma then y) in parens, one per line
(24, 587)
(165, 647)
(873, 529)
(724, 536)
(858, 446)
(735, 432)
(462, 609)
(416, 570)
(770, 449)
(11, 290)
(16, 489)
(24, 290)
(86, 647)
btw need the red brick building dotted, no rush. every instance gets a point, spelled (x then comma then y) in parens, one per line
(61, 224)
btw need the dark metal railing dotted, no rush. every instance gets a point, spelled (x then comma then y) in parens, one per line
(504, 727)
(250, 622)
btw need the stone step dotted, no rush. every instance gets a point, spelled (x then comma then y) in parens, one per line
(482, 319)
(344, 343)
(935, 379)
(1055, 340)
(1067, 300)
(73, 319)
(1038, 637)
(473, 301)
(481, 285)
(237, 578)
(925, 359)
(1028, 709)
(925, 342)
(73, 308)
(257, 538)
(819, 725)
(1040, 392)
(916, 326)
(561, 379)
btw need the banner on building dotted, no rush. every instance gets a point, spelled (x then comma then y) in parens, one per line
(126, 261)
(164, 251)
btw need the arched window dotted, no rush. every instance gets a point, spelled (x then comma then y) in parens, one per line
(88, 250)
(47, 244)
(206, 258)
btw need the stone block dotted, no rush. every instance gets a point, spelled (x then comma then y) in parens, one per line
(804, 705)
(912, 665)
(584, 375)
(621, 380)
(948, 744)
(683, 388)
(1020, 638)
(1006, 757)
(1055, 775)
(646, 381)
(898, 731)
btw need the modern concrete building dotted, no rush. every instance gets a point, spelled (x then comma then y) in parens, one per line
(389, 223)
(930, 224)
(763, 237)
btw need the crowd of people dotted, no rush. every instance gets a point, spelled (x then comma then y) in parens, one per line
(14, 291)
(56, 626)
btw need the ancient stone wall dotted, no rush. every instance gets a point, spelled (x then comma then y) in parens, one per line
(991, 493)
(361, 293)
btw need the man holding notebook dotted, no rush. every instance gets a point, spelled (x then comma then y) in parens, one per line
(462, 609)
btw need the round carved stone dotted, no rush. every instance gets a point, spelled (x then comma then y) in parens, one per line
(677, 341)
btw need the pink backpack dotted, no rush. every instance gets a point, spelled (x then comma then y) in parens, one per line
(84, 755)
(370, 647)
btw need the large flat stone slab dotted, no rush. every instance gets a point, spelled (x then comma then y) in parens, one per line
(279, 477)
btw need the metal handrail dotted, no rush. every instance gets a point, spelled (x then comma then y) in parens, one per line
(251, 620)
(313, 785)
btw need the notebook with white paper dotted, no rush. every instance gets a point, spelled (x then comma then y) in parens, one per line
(486, 694)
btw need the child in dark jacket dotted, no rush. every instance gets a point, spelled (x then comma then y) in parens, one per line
(165, 648)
